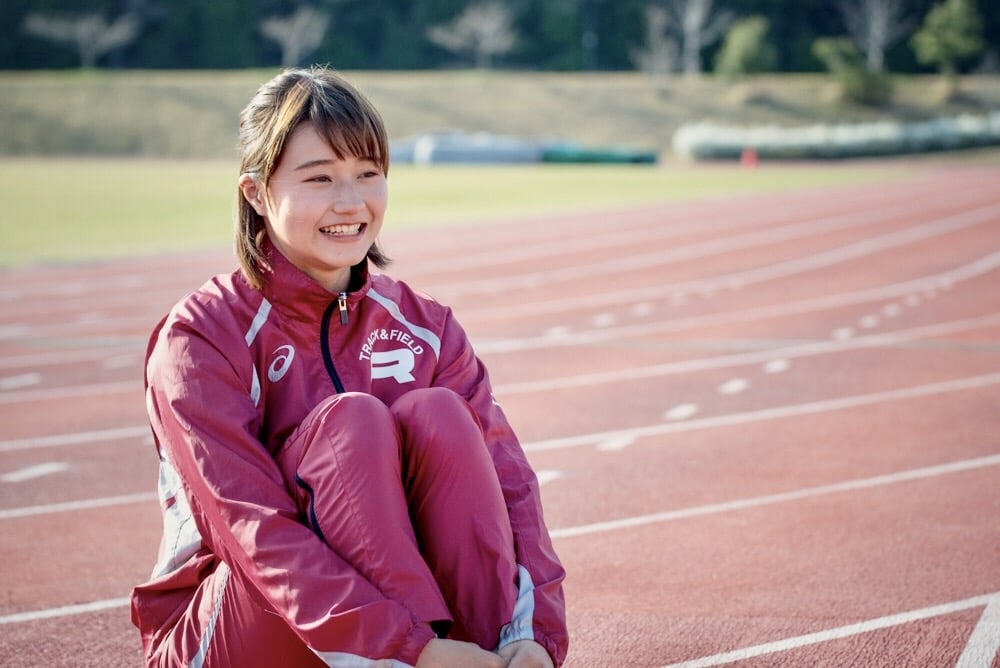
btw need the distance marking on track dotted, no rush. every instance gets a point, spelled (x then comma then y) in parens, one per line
(622, 437)
(20, 381)
(34, 472)
(788, 410)
(562, 336)
(648, 371)
(824, 347)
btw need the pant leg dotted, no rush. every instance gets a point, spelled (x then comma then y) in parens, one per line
(226, 625)
(458, 511)
(343, 465)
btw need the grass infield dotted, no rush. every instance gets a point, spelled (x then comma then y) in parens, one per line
(70, 210)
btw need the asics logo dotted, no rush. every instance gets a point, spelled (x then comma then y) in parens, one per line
(396, 364)
(283, 360)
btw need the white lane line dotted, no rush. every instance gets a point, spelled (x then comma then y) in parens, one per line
(984, 643)
(34, 472)
(35, 360)
(107, 328)
(903, 476)
(967, 272)
(649, 228)
(13, 331)
(77, 438)
(880, 340)
(70, 391)
(848, 631)
(69, 506)
(122, 362)
(768, 272)
(64, 611)
(791, 410)
(782, 497)
(19, 381)
(631, 262)
(649, 371)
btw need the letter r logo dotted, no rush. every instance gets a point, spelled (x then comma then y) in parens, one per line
(396, 364)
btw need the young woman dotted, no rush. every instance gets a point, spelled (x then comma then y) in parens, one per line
(338, 485)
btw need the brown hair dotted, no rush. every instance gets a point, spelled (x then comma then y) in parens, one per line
(339, 112)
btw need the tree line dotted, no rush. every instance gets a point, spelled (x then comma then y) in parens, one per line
(731, 37)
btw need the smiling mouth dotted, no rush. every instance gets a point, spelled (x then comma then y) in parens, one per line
(350, 230)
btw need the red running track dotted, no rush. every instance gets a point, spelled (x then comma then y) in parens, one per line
(766, 425)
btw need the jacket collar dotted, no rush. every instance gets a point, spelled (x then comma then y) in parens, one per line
(294, 293)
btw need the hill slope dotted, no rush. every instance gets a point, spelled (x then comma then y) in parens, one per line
(193, 114)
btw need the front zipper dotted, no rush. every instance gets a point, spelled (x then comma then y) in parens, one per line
(339, 304)
(342, 305)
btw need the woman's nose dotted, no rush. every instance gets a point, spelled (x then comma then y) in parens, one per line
(347, 197)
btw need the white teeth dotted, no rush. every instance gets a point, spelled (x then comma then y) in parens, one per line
(342, 230)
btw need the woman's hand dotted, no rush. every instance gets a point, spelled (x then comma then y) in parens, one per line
(440, 653)
(525, 654)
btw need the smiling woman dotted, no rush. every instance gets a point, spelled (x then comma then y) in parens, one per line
(78, 209)
(365, 501)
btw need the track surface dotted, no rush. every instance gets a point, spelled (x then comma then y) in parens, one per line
(766, 426)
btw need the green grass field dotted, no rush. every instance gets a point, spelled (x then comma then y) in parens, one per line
(172, 185)
(67, 210)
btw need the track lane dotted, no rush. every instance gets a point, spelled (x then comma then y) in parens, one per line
(625, 473)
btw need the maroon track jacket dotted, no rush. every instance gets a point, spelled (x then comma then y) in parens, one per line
(231, 372)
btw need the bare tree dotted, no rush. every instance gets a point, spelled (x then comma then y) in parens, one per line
(90, 35)
(660, 54)
(483, 30)
(874, 25)
(700, 26)
(298, 34)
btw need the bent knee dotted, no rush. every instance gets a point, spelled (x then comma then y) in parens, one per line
(438, 401)
(340, 420)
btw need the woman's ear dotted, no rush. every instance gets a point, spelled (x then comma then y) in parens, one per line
(253, 192)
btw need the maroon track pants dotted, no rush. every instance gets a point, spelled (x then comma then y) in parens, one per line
(409, 496)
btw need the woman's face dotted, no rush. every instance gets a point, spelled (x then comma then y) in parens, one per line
(321, 212)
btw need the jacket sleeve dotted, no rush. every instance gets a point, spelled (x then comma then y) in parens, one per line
(204, 422)
(540, 612)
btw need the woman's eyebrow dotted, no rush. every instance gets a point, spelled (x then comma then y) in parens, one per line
(313, 163)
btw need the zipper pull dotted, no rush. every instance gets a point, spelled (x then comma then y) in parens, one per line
(342, 305)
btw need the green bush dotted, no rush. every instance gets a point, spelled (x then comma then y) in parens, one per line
(857, 83)
(746, 49)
